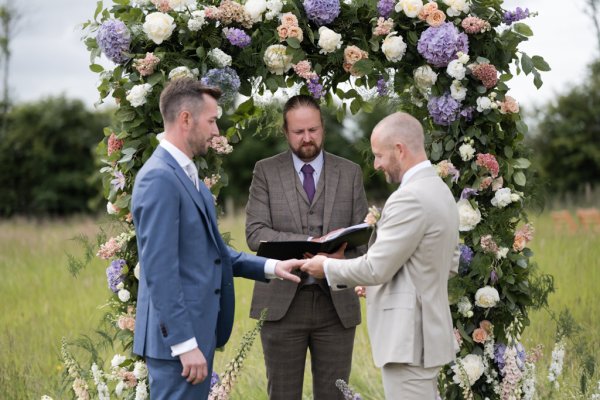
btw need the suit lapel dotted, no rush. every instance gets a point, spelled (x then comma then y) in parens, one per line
(289, 181)
(332, 177)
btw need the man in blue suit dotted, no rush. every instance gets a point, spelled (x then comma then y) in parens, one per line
(185, 304)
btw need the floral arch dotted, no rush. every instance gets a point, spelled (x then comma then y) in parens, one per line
(447, 62)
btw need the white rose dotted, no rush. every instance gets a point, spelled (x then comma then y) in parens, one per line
(158, 26)
(141, 391)
(462, 57)
(469, 217)
(274, 7)
(136, 271)
(456, 7)
(219, 58)
(182, 5)
(329, 41)
(502, 198)
(117, 360)
(486, 297)
(464, 307)
(457, 90)
(411, 8)
(137, 95)
(394, 48)
(255, 8)
(124, 295)
(514, 197)
(466, 151)
(424, 77)
(276, 59)
(183, 72)
(197, 20)
(483, 103)
(120, 286)
(456, 69)
(111, 209)
(140, 370)
(502, 253)
(472, 366)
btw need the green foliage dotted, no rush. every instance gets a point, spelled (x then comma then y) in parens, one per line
(47, 157)
(566, 143)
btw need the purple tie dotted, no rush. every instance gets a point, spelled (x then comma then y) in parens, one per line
(309, 182)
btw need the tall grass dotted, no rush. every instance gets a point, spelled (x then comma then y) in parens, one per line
(42, 302)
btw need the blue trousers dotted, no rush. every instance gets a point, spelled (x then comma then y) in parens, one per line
(166, 382)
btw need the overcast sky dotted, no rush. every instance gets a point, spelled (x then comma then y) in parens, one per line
(48, 57)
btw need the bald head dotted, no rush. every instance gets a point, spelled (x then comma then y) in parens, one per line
(401, 128)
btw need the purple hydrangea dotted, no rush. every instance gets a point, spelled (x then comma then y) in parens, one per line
(225, 79)
(315, 88)
(114, 274)
(382, 89)
(466, 256)
(513, 16)
(214, 379)
(439, 45)
(322, 12)
(237, 37)
(114, 39)
(467, 113)
(385, 8)
(443, 109)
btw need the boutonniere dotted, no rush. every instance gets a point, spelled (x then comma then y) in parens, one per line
(373, 216)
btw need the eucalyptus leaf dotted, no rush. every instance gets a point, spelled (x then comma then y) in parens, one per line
(519, 178)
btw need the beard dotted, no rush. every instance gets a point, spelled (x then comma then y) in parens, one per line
(307, 151)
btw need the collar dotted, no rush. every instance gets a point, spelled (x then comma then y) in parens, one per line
(317, 163)
(182, 159)
(413, 170)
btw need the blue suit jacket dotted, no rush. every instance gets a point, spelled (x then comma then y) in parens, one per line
(186, 278)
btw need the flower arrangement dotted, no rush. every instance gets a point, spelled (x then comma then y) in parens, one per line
(447, 62)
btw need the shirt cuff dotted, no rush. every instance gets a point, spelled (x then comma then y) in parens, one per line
(325, 265)
(184, 347)
(270, 269)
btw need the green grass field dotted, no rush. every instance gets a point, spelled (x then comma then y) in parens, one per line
(42, 302)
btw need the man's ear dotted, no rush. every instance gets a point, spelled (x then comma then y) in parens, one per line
(185, 119)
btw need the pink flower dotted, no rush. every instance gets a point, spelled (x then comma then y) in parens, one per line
(488, 244)
(384, 26)
(486, 182)
(445, 168)
(145, 66)
(522, 237)
(109, 249)
(487, 326)
(126, 322)
(427, 10)
(489, 162)
(114, 144)
(473, 25)
(210, 182)
(303, 70)
(509, 105)
(480, 335)
(220, 145)
(497, 183)
(486, 73)
(458, 337)
(436, 18)
(162, 5)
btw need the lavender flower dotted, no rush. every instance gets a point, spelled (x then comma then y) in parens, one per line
(347, 391)
(467, 193)
(382, 89)
(237, 37)
(225, 79)
(214, 379)
(114, 274)
(493, 277)
(467, 113)
(114, 39)
(321, 12)
(499, 349)
(439, 45)
(119, 180)
(513, 16)
(466, 256)
(443, 109)
(385, 8)
(315, 88)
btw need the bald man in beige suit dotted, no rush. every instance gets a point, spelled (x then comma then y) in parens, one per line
(407, 266)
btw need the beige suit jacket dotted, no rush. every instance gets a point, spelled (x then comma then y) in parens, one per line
(406, 270)
(272, 214)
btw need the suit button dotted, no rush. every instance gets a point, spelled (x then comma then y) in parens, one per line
(218, 261)
(217, 291)
(311, 212)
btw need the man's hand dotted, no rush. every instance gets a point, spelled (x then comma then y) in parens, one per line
(283, 269)
(195, 368)
(314, 266)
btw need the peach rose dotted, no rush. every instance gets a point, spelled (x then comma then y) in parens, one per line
(436, 18)
(486, 182)
(289, 19)
(427, 10)
(283, 32)
(509, 106)
(126, 323)
(295, 32)
(486, 325)
(480, 335)
(352, 54)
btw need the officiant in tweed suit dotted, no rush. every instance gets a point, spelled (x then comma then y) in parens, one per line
(301, 194)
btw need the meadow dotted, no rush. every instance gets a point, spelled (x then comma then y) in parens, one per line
(42, 302)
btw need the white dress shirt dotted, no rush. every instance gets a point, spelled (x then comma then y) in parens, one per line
(187, 164)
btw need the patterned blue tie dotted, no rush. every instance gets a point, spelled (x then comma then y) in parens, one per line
(309, 182)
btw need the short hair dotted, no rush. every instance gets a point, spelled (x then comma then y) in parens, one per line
(181, 91)
(402, 127)
(300, 100)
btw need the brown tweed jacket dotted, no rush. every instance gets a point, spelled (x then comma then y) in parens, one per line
(272, 213)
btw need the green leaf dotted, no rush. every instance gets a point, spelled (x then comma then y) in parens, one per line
(155, 78)
(293, 42)
(540, 64)
(272, 84)
(537, 79)
(526, 63)
(99, 7)
(519, 178)
(522, 163)
(508, 151)
(200, 52)
(96, 68)
(523, 29)
(125, 114)
(356, 105)
(522, 127)
(363, 67)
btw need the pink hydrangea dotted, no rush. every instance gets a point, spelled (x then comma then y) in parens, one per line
(486, 73)
(384, 26)
(473, 25)
(220, 145)
(114, 144)
(162, 5)
(145, 66)
(304, 70)
(489, 162)
(109, 249)
(488, 244)
(509, 105)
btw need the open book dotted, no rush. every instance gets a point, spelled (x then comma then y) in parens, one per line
(355, 235)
